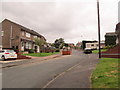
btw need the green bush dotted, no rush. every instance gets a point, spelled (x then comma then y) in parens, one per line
(57, 50)
(31, 51)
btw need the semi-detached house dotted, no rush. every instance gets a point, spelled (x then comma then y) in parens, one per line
(19, 37)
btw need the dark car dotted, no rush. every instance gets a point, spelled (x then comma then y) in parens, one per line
(87, 50)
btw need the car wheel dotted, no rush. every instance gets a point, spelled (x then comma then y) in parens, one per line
(3, 58)
(14, 58)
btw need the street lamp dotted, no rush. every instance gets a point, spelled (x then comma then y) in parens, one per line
(98, 27)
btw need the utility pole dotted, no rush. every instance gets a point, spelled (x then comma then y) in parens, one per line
(98, 27)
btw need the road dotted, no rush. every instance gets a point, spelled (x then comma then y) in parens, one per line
(37, 75)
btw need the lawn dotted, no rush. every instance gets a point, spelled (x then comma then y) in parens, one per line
(106, 74)
(97, 51)
(40, 54)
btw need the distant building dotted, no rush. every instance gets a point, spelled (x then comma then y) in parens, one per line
(79, 44)
(71, 45)
(19, 37)
(84, 43)
(102, 44)
(93, 44)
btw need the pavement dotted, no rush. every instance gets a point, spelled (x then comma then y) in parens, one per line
(11, 63)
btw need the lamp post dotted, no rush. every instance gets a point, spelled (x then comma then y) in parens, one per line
(98, 27)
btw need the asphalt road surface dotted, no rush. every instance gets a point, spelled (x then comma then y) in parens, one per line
(37, 75)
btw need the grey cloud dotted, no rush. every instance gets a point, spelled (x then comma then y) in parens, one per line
(56, 19)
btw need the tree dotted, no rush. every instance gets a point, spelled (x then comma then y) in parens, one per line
(40, 43)
(110, 40)
(59, 43)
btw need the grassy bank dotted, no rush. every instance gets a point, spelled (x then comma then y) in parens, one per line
(106, 74)
(40, 54)
(97, 51)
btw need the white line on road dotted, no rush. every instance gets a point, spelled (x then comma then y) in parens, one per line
(45, 86)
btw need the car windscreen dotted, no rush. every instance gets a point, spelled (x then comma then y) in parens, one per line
(10, 51)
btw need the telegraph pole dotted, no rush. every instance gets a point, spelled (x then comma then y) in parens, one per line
(98, 27)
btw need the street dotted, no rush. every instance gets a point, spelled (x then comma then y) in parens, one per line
(37, 75)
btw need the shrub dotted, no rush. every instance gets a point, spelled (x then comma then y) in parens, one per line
(109, 46)
(57, 50)
(31, 51)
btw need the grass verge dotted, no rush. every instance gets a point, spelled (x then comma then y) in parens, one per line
(97, 51)
(40, 54)
(106, 74)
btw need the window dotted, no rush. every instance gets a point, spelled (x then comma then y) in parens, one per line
(92, 44)
(13, 47)
(2, 33)
(9, 51)
(35, 37)
(30, 45)
(27, 34)
(27, 45)
(16, 47)
(23, 33)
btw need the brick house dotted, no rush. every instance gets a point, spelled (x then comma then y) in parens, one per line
(19, 37)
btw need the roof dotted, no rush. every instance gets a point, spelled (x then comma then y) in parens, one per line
(111, 34)
(71, 43)
(25, 29)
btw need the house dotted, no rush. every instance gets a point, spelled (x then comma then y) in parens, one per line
(19, 37)
(79, 44)
(71, 45)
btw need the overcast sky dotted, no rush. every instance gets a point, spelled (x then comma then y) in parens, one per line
(73, 20)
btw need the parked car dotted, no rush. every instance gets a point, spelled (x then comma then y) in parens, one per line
(7, 54)
(87, 50)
